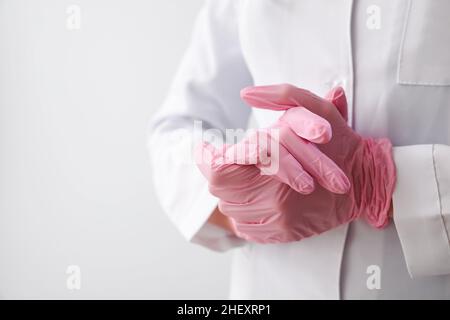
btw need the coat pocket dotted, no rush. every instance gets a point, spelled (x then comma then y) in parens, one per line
(424, 57)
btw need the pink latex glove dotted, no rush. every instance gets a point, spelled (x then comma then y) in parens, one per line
(266, 209)
(299, 161)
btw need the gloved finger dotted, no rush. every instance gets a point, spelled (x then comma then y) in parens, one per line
(265, 231)
(272, 228)
(252, 212)
(317, 164)
(213, 166)
(286, 169)
(225, 179)
(286, 96)
(337, 97)
(305, 123)
(259, 149)
(291, 160)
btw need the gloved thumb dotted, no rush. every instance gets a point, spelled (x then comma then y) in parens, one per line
(338, 98)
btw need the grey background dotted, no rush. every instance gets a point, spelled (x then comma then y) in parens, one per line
(75, 185)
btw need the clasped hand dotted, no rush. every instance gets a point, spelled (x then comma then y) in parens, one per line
(326, 174)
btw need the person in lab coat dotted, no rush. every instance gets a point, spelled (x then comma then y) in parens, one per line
(392, 58)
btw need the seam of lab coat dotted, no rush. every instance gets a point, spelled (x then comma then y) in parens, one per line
(351, 84)
(341, 262)
(439, 194)
(402, 42)
(430, 84)
(351, 90)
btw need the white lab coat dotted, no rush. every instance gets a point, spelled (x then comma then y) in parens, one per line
(392, 57)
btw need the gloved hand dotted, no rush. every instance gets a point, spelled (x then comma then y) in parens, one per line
(268, 208)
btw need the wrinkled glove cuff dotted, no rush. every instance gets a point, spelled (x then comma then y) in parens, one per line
(379, 183)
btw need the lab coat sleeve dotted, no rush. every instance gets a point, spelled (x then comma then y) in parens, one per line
(204, 97)
(422, 207)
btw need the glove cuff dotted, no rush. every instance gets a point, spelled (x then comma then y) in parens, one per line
(379, 181)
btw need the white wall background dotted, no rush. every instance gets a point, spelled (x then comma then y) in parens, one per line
(75, 186)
